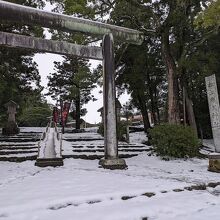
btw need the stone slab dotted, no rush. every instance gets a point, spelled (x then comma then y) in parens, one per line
(53, 162)
(214, 163)
(113, 164)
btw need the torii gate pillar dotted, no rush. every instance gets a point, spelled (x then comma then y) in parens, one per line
(111, 160)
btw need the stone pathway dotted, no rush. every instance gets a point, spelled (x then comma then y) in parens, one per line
(19, 147)
(88, 145)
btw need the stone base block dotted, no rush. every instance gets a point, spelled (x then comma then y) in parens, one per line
(11, 128)
(214, 163)
(53, 162)
(113, 164)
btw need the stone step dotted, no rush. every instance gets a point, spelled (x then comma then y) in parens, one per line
(82, 139)
(102, 146)
(31, 156)
(17, 145)
(102, 150)
(31, 132)
(18, 158)
(18, 148)
(95, 156)
(19, 140)
(17, 152)
(20, 136)
(23, 147)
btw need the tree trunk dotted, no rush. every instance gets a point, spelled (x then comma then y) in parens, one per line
(158, 115)
(144, 113)
(190, 112)
(184, 106)
(156, 104)
(173, 89)
(152, 99)
(77, 103)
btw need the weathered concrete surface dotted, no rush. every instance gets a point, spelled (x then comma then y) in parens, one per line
(214, 163)
(110, 131)
(28, 15)
(50, 46)
(214, 109)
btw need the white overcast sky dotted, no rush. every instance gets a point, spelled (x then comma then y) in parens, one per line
(46, 66)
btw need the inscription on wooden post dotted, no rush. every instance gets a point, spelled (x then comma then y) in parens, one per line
(214, 110)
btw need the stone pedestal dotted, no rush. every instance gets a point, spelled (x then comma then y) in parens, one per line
(11, 128)
(53, 162)
(113, 164)
(214, 163)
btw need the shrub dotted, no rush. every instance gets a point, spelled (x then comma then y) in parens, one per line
(35, 117)
(174, 140)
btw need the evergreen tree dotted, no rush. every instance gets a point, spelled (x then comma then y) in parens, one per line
(73, 81)
(19, 76)
(141, 72)
(170, 27)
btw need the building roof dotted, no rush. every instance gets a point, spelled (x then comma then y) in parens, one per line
(117, 103)
(11, 103)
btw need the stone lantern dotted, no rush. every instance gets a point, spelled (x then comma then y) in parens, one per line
(11, 126)
(118, 110)
(101, 112)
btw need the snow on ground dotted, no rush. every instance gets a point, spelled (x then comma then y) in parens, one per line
(138, 137)
(81, 190)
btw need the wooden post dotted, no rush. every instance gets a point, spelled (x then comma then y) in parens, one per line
(111, 160)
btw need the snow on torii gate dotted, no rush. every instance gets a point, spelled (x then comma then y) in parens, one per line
(27, 15)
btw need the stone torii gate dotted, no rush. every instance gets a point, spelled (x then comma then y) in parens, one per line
(27, 15)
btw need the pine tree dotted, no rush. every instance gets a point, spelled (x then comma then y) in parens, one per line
(73, 81)
(19, 76)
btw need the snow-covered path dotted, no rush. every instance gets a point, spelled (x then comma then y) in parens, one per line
(82, 190)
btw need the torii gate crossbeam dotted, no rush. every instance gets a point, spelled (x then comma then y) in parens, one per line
(27, 15)
(50, 46)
